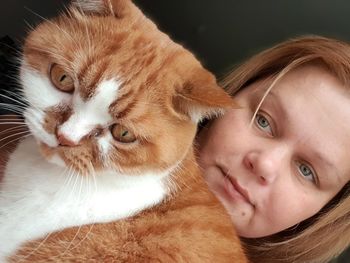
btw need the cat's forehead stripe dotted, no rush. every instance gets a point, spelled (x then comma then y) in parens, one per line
(95, 73)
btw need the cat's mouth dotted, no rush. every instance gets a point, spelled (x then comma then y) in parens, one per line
(78, 158)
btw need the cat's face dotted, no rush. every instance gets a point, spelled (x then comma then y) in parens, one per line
(107, 90)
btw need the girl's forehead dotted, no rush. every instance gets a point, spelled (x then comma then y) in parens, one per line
(300, 79)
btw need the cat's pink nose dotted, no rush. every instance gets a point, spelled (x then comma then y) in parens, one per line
(64, 141)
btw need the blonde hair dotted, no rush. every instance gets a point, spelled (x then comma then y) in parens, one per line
(326, 234)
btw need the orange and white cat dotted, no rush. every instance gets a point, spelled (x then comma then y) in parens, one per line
(110, 171)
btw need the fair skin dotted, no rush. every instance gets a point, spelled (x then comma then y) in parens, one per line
(290, 161)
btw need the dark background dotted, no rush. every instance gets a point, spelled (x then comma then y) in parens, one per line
(221, 33)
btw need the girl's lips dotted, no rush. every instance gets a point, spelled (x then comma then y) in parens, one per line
(234, 190)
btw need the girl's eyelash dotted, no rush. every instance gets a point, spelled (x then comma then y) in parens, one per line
(262, 117)
(307, 168)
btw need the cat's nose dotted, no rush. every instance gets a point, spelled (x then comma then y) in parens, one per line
(64, 141)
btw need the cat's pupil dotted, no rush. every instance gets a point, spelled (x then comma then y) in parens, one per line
(125, 133)
(63, 78)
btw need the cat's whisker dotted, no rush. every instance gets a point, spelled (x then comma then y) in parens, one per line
(71, 14)
(34, 115)
(12, 129)
(91, 226)
(57, 202)
(12, 118)
(12, 106)
(37, 247)
(12, 109)
(18, 97)
(13, 135)
(36, 108)
(50, 22)
(71, 246)
(14, 59)
(17, 61)
(48, 51)
(57, 55)
(67, 11)
(13, 77)
(71, 242)
(81, 186)
(10, 47)
(85, 21)
(105, 158)
(94, 181)
(88, 194)
(180, 168)
(81, 13)
(61, 193)
(70, 178)
(16, 92)
(12, 123)
(88, 39)
(75, 177)
(79, 199)
(15, 101)
(10, 115)
(30, 27)
(15, 139)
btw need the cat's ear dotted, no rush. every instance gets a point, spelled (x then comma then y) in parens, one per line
(117, 8)
(200, 97)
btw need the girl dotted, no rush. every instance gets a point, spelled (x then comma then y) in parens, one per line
(280, 163)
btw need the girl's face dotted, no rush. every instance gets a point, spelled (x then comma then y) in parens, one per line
(292, 159)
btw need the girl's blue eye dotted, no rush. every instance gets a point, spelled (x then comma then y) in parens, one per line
(263, 123)
(306, 172)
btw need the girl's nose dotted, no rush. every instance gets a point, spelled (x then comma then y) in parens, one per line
(266, 164)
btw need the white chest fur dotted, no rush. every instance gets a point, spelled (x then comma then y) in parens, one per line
(37, 197)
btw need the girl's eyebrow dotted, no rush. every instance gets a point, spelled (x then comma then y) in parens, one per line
(333, 173)
(271, 98)
(274, 98)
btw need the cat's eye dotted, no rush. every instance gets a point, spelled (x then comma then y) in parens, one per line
(121, 134)
(61, 78)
